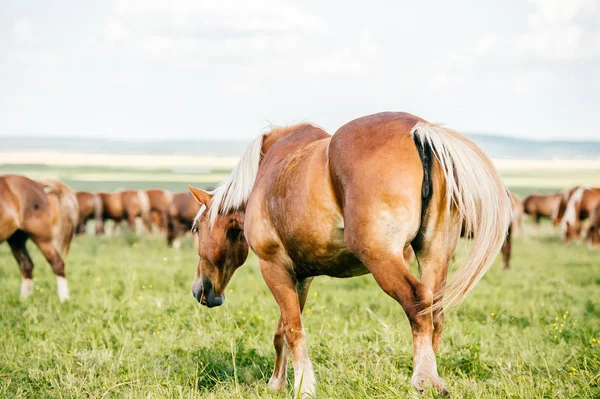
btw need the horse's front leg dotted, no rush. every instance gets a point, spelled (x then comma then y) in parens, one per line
(290, 294)
(279, 378)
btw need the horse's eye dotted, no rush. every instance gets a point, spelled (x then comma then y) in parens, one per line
(235, 233)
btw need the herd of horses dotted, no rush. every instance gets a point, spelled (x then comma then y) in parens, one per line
(569, 210)
(381, 191)
(171, 213)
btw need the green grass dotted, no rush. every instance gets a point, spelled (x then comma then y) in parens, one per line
(133, 330)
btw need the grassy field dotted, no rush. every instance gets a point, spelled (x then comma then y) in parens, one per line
(133, 330)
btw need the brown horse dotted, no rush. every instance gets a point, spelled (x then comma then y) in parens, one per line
(46, 212)
(90, 207)
(160, 200)
(543, 206)
(182, 212)
(559, 211)
(127, 205)
(580, 206)
(311, 204)
(593, 233)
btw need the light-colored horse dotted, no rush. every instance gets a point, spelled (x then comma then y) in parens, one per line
(311, 204)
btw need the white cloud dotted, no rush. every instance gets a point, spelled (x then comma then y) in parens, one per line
(203, 48)
(23, 31)
(558, 30)
(257, 15)
(486, 43)
(115, 32)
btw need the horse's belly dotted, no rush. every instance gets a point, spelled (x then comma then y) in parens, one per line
(332, 259)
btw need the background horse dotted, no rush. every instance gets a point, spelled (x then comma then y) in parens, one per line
(160, 200)
(542, 206)
(593, 233)
(90, 207)
(182, 212)
(46, 212)
(580, 206)
(311, 204)
(127, 205)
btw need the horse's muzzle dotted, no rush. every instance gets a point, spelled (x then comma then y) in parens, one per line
(205, 294)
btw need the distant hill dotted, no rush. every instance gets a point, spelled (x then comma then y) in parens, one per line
(495, 146)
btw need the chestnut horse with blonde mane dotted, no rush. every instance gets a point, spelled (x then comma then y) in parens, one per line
(45, 211)
(580, 206)
(310, 204)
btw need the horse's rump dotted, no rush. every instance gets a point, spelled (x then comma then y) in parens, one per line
(65, 214)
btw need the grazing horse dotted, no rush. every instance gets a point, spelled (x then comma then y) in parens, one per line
(46, 212)
(127, 205)
(580, 206)
(539, 206)
(559, 211)
(160, 200)
(593, 233)
(182, 212)
(309, 204)
(90, 207)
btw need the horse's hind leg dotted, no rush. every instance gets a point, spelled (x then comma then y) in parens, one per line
(57, 264)
(17, 244)
(279, 377)
(380, 248)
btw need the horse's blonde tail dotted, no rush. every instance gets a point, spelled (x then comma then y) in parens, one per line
(68, 214)
(476, 193)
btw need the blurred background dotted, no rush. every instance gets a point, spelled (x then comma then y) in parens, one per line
(110, 94)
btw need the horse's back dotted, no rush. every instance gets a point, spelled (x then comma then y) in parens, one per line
(589, 200)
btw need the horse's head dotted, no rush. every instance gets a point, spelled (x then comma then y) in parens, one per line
(222, 248)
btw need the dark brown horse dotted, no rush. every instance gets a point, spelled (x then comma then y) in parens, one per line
(127, 205)
(311, 204)
(160, 200)
(182, 212)
(46, 212)
(543, 206)
(90, 207)
(581, 205)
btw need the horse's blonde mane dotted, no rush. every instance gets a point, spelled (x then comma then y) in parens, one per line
(234, 192)
(570, 215)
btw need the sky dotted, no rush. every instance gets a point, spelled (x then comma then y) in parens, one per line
(194, 69)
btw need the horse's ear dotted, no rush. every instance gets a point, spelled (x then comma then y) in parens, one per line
(201, 196)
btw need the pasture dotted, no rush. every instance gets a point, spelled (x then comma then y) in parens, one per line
(132, 328)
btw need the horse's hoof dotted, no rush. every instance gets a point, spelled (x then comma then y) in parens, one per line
(277, 384)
